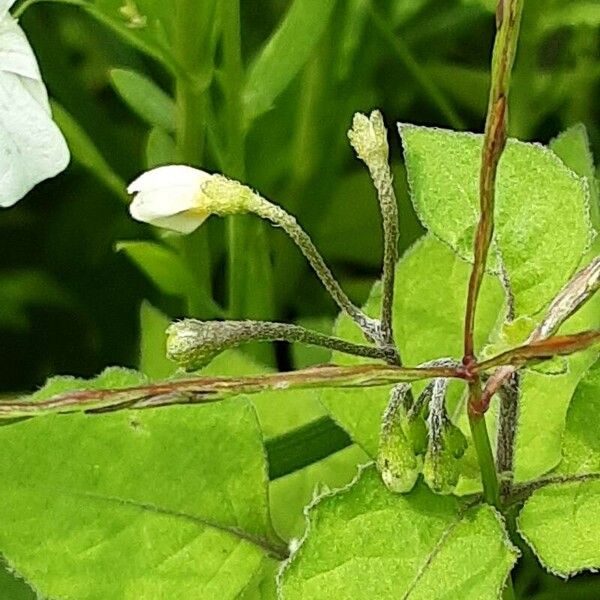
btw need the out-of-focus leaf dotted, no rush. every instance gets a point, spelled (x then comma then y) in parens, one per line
(193, 522)
(85, 152)
(145, 98)
(153, 343)
(466, 86)
(163, 266)
(365, 542)
(542, 208)
(20, 290)
(160, 149)
(572, 14)
(284, 54)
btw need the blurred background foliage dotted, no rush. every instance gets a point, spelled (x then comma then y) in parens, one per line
(81, 283)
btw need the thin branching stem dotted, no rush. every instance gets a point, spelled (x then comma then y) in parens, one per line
(508, 19)
(200, 390)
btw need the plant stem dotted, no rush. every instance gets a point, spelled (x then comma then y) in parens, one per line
(508, 18)
(250, 285)
(193, 32)
(481, 441)
(279, 217)
(201, 390)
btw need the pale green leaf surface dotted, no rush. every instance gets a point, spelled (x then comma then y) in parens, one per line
(542, 208)
(366, 542)
(290, 494)
(84, 151)
(171, 502)
(429, 307)
(572, 146)
(581, 441)
(145, 98)
(561, 523)
(284, 54)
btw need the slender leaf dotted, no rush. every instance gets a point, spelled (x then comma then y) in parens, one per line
(284, 54)
(145, 98)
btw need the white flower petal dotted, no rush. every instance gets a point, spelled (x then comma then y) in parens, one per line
(167, 177)
(16, 55)
(32, 147)
(181, 222)
(4, 6)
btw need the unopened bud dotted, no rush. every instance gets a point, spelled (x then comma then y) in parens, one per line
(396, 460)
(368, 137)
(447, 445)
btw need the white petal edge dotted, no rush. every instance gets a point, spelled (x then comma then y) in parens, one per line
(168, 176)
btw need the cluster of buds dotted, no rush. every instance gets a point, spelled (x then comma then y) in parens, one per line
(419, 437)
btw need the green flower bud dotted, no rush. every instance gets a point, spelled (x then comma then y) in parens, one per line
(446, 446)
(396, 460)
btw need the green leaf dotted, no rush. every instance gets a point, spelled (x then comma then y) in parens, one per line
(160, 149)
(170, 503)
(85, 152)
(572, 146)
(145, 98)
(542, 208)
(561, 523)
(428, 324)
(162, 265)
(284, 54)
(581, 443)
(153, 343)
(366, 542)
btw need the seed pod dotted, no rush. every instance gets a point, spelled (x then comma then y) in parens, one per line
(396, 460)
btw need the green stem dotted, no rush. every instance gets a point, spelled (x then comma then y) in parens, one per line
(481, 441)
(193, 33)
(250, 285)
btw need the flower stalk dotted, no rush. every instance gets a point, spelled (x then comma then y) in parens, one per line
(193, 344)
(368, 137)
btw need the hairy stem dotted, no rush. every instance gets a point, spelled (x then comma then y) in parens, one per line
(201, 390)
(288, 223)
(508, 18)
(507, 429)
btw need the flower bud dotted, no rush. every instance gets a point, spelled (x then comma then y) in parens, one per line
(368, 137)
(446, 446)
(181, 198)
(396, 460)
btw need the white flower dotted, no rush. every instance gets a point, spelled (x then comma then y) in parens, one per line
(170, 197)
(181, 198)
(32, 147)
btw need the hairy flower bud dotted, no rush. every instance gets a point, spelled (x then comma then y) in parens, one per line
(397, 462)
(181, 198)
(446, 446)
(368, 137)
